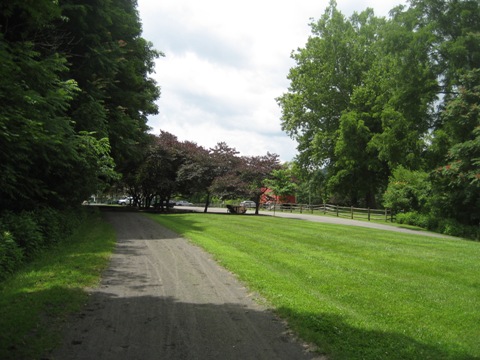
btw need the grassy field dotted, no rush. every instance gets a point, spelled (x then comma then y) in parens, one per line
(356, 293)
(36, 300)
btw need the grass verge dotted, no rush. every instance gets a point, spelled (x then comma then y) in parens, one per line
(36, 300)
(356, 293)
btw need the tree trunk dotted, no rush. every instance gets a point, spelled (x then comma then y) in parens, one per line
(207, 203)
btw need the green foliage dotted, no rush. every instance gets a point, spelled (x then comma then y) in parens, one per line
(371, 95)
(416, 219)
(458, 181)
(454, 228)
(11, 255)
(36, 300)
(320, 86)
(74, 97)
(24, 235)
(111, 63)
(358, 100)
(282, 181)
(407, 190)
(25, 231)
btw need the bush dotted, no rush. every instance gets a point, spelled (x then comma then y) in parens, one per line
(413, 218)
(407, 190)
(443, 226)
(24, 235)
(50, 224)
(454, 228)
(25, 231)
(11, 255)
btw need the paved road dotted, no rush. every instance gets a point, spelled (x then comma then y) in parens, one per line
(327, 219)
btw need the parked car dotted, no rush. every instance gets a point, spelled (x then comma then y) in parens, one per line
(125, 201)
(183, 203)
(248, 204)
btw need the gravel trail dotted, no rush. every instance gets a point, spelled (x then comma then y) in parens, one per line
(164, 298)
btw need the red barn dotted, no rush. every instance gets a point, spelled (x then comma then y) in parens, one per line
(268, 197)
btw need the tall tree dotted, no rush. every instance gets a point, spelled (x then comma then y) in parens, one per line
(372, 111)
(320, 87)
(44, 161)
(457, 182)
(111, 63)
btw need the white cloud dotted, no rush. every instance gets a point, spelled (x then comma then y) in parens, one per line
(225, 64)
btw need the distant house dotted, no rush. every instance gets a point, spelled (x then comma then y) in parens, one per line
(269, 197)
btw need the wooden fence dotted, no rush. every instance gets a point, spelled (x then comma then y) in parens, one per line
(340, 211)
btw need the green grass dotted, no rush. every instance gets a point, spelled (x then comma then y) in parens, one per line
(36, 300)
(356, 293)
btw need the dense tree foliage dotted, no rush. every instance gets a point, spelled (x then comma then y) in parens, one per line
(371, 95)
(74, 97)
(170, 168)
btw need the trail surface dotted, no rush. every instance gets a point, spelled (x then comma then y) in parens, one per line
(164, 298)
(328, 220)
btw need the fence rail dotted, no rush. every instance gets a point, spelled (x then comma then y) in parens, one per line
(339, 211)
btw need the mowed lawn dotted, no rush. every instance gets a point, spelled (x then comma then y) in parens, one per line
(356, 293)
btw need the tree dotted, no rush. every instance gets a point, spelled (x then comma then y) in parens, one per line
(158, 174)
(320, 88)
(255, 172)
(44, 160)
(458, 180)
(226, 182)
(282, 181)
(197, 172)
(75, 90)
(111, 63)
(408, 191)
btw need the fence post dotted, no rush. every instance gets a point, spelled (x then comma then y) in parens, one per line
(337, 210)
(386, 214)
(324, 208)
(351, 211)
(301, 209)
(368, 214)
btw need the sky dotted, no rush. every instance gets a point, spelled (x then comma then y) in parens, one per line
(225, 64)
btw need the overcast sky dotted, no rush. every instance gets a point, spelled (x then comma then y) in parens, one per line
(226, 62)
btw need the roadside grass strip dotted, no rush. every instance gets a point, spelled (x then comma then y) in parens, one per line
(35, 301)
(355, 293)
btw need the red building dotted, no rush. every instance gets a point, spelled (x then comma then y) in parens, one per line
(269, 197)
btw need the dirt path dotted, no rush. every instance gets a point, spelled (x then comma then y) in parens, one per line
(163, 298)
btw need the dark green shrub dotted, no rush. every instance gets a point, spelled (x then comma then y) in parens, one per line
(11, 255)
(50, 223)
(454, 228)
(413, 218)
(24, 235)
(25, 231)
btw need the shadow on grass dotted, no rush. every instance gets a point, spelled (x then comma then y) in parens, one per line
(38, 329)
(343, 341)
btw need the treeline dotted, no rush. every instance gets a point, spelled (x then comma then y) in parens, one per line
(75, 94)
(386, 112)
(168, 167)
